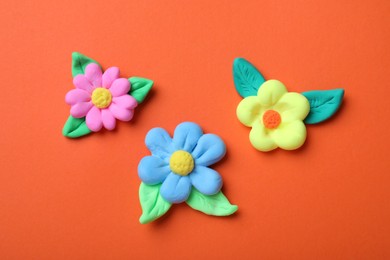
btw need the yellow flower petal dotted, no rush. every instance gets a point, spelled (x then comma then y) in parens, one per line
(260, 138)
(270, 92)
(292, 106)
(248, 110)
(290, 136)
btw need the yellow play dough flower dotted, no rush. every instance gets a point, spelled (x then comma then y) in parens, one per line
(275, 116)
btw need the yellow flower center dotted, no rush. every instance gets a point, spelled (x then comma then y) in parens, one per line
(181, 162)
(271, 119)
(101, 97)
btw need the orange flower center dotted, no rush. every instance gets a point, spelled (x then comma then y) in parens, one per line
(271, 119)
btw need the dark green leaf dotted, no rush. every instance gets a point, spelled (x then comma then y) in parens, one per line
(323, 104)
(247, 78)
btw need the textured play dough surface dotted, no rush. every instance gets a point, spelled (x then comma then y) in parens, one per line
(77, 199)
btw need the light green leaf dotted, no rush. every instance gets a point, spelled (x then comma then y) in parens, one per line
(217, 205)
(75, 127)
(79, 62)
(153, 205)
(140, 88)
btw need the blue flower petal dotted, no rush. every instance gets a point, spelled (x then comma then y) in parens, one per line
(176, 188)
(210, 149)
(206, 180)
(186, 136)
(153, 170)
(159, 143)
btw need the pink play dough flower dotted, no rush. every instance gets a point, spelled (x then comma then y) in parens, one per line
(101, 98)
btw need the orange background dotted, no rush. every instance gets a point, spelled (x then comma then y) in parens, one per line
(78, 199)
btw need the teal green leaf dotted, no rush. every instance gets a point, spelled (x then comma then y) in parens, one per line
(79, 62)
(153, 205)
(247, 78)
(140, 88)
(323, 104)
(75, 127)
(217, 205)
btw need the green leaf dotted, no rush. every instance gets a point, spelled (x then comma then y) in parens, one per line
(140, 88)
(217, 205)
(323, 104)
(79, 62)
(153, 205)
(75, 127)
(247, 78)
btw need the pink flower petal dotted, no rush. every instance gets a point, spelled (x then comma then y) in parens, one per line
(81, 82)
(80, 109)
(120, 87)
(121, 113)
(125, 101)
(94, 119)
(109, 76)
(94, 74)
(108, 119)
(77, 95)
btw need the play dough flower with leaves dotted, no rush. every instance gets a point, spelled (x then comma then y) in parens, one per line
(277, 117)
(178, 170)
(100, 98)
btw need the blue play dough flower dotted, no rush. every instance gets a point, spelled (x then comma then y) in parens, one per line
(181, 163)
